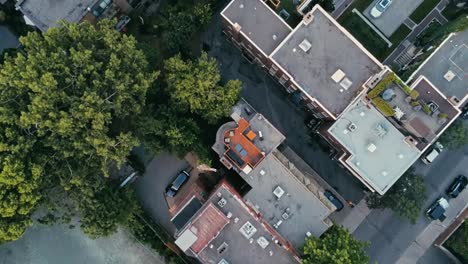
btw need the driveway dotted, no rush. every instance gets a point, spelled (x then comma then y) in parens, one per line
(391, 236)
(269, 98)
(58, 244)
(150, 188)
(7, 39)
(394, 16)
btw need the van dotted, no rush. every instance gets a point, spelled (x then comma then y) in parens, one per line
(432, 154)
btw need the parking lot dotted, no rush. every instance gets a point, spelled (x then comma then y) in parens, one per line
(150, 188)
(393, 16)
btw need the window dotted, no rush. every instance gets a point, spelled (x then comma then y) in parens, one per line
(283, 79)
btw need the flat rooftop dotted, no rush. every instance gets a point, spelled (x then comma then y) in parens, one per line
(332, 48)
(258, 22)
(304, 211)
(447, 68)
(379, 152)
(45, 13)
(234, 246)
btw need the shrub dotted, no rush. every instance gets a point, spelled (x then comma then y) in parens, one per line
(443, 115)
(383, 106)
(426, 109)
(415, 103)
(380, 87)
(414, 94)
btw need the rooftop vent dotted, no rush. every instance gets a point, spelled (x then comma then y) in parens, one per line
(346, 83)
(222, 202)
(248, 230)
(308, 18)
(352, 127)
(278, 192)
(305, 45)
(223, 261)
(338, 76)
(371, 147)
(449, 76)
(262, 242)
(379, 131)
(222, 248)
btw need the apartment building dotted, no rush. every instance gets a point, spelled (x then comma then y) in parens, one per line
(45, 14)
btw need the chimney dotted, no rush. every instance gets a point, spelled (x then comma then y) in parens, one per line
(308, 18)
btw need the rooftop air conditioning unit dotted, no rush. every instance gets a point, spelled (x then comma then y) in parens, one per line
(262, 242)
(278, 192)
(305, 45)
(248, 230)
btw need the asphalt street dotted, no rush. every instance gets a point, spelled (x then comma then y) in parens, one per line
(150, 188)
(391, 236)
(268, 98)
(7, 39)
(58, 245)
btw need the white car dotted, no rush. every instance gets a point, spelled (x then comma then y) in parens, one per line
(379, 8)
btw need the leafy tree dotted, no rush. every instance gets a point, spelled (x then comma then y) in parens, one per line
(195, 86)
(336, 246)
(456, 136)
(326, 4)
(62, 119)
(406, 198)
(458, 242)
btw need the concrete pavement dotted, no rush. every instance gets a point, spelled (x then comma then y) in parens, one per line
(150, 188)
(7, 39)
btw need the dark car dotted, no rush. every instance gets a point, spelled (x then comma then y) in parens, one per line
(175, 186)
(334, 200)
(464, 113)
(437, 209)
(458, 185)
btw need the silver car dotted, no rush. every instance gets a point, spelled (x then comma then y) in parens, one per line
(379, 8)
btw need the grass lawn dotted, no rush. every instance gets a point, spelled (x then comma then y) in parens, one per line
(360, 5)
(451, 12)
(423, 9)
(458, 243)
(371, 40)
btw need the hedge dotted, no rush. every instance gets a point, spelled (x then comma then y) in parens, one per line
(380, 87)
(383, 106)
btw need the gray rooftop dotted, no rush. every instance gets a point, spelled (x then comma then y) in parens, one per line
(45, 13)
(258, 22)
(332, 49)
(451, 56)
(379, 152)
(240, 249)
(306, 212)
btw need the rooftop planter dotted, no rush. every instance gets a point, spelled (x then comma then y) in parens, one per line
(383, 107)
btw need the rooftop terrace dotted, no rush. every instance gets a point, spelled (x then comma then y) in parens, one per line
(420, 109)
(257, 22)
(447, 67)
(380, 153)
(320, 48)
(244, 239)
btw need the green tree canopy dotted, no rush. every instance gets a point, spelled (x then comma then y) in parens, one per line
(406, 197)
(456, 136)
(195, 86)
(336, 246)
(62, 117)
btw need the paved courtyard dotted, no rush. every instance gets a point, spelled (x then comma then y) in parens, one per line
(7, 39)
(59, 244)
(394, 16)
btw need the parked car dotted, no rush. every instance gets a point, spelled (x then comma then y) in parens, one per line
(437, 209)
(334, 200)
(432, 153)
(379, 8)
(464, 113)
(457, 186)
(179, 181)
